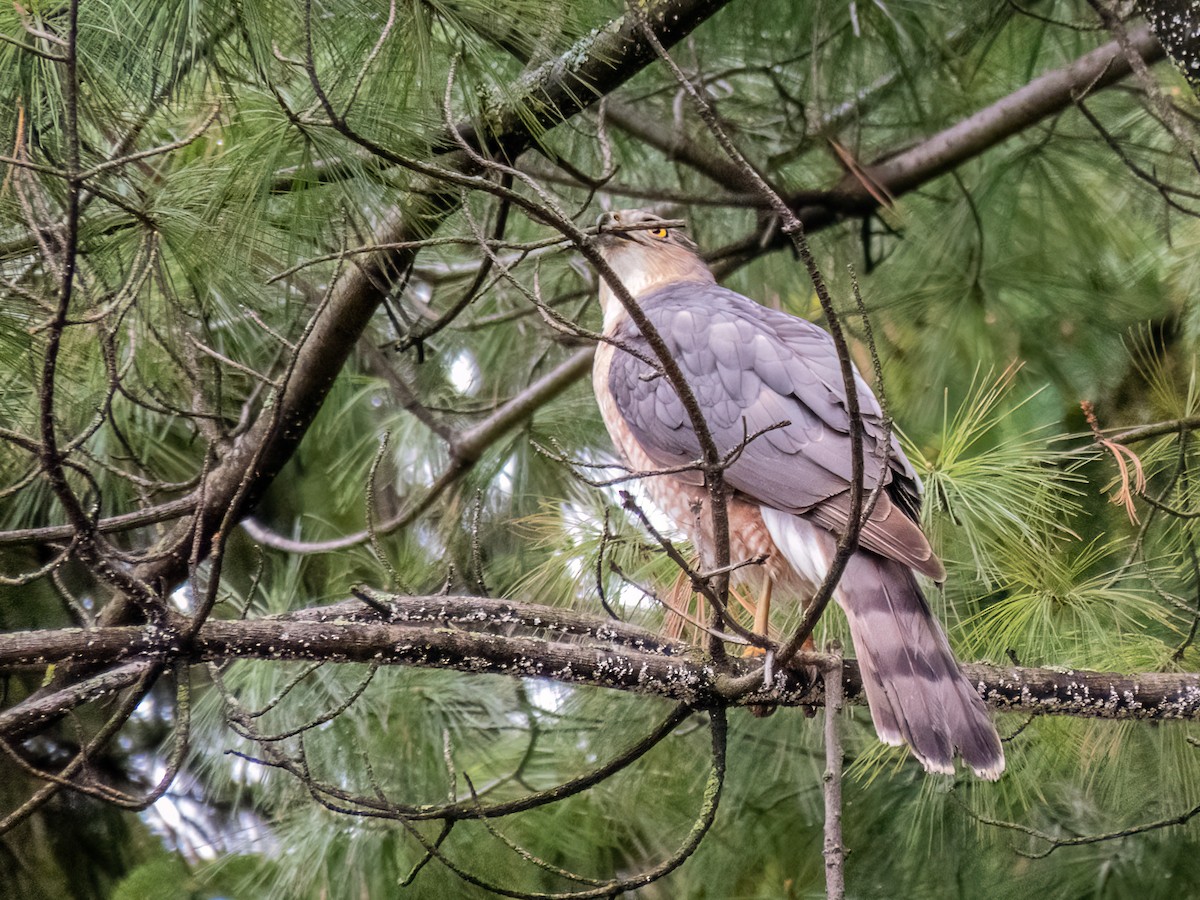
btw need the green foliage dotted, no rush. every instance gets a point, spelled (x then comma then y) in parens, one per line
(1042, 259)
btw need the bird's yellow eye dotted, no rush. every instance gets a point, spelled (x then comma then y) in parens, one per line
(658, 232)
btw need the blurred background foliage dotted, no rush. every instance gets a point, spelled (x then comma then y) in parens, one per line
(1039, 274)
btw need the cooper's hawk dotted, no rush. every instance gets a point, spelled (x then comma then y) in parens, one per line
(750, 368)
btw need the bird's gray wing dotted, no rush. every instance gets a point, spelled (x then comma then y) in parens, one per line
(752, 368)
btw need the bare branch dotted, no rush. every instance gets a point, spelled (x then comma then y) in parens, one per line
(834, 852)
(466, 448)
(517, 639)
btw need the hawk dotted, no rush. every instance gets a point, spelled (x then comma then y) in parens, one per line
(751, 368)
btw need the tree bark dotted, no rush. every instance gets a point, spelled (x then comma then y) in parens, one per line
(497, 637)
(1176, 24)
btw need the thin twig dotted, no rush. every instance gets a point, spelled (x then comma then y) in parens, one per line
(834, 851)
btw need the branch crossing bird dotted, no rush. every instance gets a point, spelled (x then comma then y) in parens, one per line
(750, 368)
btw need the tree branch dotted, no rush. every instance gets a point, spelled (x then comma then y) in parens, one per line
(1043, 97)
(1176, 23)
(500, 637)
(834, 850)
(546, 96)
(903, 172)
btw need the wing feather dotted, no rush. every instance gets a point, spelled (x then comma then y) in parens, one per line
(751, 368)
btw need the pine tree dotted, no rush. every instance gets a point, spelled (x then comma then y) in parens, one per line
(295, 422)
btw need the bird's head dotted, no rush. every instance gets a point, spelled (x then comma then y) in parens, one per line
(647, 252)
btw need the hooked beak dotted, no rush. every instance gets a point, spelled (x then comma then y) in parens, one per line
(604, 226)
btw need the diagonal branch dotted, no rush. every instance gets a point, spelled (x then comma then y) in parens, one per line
(901, 173)
(465, 449)
(546, 96)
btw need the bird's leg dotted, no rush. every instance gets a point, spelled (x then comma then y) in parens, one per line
(762, 615)
(679, 601)
(762, 612)
(685, 609)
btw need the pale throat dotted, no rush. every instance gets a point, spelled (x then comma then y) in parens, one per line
(643, 272)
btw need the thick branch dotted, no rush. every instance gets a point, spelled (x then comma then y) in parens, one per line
(894, 175)
(34, 713)
(1177, 24)
(1044, 96)
(487, 636)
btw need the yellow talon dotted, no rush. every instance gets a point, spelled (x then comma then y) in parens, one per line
(762, 617)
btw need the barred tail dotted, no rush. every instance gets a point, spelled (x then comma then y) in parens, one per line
(917, 694)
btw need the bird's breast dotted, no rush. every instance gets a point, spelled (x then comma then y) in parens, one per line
(686, 504)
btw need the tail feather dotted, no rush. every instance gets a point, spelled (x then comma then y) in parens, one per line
(916, 692)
